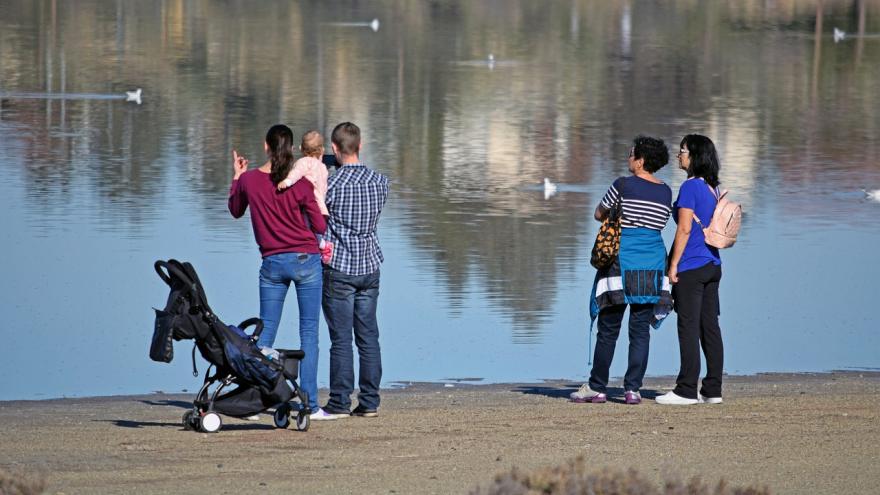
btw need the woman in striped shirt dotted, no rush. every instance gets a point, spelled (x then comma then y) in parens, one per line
(637, 278)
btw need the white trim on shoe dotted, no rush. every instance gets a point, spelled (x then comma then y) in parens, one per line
(673, 399)
(338, 415)
(322, 415)
(709, 400)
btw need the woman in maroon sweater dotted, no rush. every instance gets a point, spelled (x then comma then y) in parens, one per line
(285, 224)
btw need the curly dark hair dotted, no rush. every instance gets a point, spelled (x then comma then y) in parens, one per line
(653, 150)
(704, 158)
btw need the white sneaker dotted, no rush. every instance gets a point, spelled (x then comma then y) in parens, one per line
(255, 417)
(673, 399)
(321, 415)
(709, 400)
(586, 394)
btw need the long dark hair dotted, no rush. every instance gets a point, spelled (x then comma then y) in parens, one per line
(279, 139)
(704, 158)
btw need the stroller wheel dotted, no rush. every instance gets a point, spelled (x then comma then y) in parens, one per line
(210, 422)
(188, 423)
(282, 416)
(302, 421)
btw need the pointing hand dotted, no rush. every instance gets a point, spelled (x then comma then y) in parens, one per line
(239, 164)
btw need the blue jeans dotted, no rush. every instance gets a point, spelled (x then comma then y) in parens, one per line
(350, 305)
(610, 318)
(276, 274)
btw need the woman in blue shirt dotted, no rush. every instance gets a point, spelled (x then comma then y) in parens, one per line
(695, 272)
(636, 278)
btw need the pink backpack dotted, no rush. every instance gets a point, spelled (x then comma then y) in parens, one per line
(724, 227)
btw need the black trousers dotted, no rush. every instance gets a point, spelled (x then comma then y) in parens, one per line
(697, 306)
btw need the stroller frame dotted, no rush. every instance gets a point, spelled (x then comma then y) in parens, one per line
(203, 415)
(187, 315)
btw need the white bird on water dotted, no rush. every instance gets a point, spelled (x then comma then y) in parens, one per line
(134, 96)
(549, 188)
(839, 35)
(491, 61)
(872, 195)
(374, 24)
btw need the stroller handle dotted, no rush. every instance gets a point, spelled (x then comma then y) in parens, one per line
(159, 265)
(253, 322)
(172, 270)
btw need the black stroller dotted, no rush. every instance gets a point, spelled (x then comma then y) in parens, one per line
(260, 382)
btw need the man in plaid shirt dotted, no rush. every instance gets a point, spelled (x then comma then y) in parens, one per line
(355, 197)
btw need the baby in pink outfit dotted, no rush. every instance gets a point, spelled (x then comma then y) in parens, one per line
(311, 167)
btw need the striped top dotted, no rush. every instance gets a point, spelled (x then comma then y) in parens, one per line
(645, 203)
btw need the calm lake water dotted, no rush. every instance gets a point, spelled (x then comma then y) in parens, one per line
(484, 277)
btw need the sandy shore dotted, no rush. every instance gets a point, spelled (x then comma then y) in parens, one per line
(815, 433)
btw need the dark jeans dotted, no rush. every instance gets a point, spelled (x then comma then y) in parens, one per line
(608, 326)
(349, 304)
(697, 306)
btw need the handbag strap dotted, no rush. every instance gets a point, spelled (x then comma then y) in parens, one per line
(617, 208)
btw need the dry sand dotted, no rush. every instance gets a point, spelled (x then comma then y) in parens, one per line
(816, 433)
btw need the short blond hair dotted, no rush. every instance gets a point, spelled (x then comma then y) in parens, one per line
(312, 144)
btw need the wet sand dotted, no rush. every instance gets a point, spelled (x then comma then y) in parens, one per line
(815, 433)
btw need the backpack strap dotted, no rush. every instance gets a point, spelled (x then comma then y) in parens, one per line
(716, 193)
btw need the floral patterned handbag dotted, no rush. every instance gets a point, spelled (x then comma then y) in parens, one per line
(607, 244)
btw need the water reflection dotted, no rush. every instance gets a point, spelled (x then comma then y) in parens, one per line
(795, 116)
